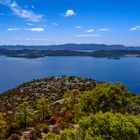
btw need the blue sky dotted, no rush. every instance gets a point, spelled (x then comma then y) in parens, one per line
(36, 22)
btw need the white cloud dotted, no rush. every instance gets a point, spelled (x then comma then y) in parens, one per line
(90, 30)
(55, 24)
(30, 24)
(136, 28)
(13, 29)
(23, 13)
(35, 29)
(36, 39)
(70, 13)
(87, 35)
(104, 29)
(78, 27)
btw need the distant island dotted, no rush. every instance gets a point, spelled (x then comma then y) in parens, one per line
(115, 54)
(93, 50)
(69, 108)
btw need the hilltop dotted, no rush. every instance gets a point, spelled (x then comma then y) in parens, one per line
(69, 108)
(51, 87)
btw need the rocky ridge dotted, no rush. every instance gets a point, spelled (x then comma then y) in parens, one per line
(51, 87)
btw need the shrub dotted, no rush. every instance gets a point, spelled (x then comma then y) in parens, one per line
(70, 134)
(14, 137)
(45, 130)
(105, 97)
(56, 129)
(52, 136)
(35, 134)
(3, 126)
(13, 129)
(108, 126)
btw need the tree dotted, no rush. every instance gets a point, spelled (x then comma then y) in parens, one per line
(42, 108)
(69, 108)
(71, 98)
(23, 114)
(110, 126)
(3, 126)
(105, 97)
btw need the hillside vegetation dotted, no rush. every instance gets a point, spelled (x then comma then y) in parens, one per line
(69, 108)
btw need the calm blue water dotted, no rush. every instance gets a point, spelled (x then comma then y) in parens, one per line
(14, 71)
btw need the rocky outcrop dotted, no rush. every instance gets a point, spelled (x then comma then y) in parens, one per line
(51, 87)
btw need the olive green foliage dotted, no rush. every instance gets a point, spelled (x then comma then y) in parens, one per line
(23, 114)
(102, 126)
(110, 126)
(70, 134)
(3, 126)
(71, 98)
(108, 112)
(106, 97)
(67, 134)
(42, 108)
(52, 136)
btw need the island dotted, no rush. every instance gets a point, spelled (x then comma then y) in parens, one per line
(114, 54)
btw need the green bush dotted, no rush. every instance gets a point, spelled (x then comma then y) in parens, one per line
(52, 136)
(109, 126)
(70, 134)
(106, 97)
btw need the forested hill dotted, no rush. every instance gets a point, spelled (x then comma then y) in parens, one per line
(51, 87)
(71, 47)
(69, 108)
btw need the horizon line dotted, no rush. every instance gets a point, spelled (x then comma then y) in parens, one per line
(72, 44)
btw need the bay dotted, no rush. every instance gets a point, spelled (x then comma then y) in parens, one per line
(15, 71)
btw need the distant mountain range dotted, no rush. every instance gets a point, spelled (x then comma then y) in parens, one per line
(95, 47)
